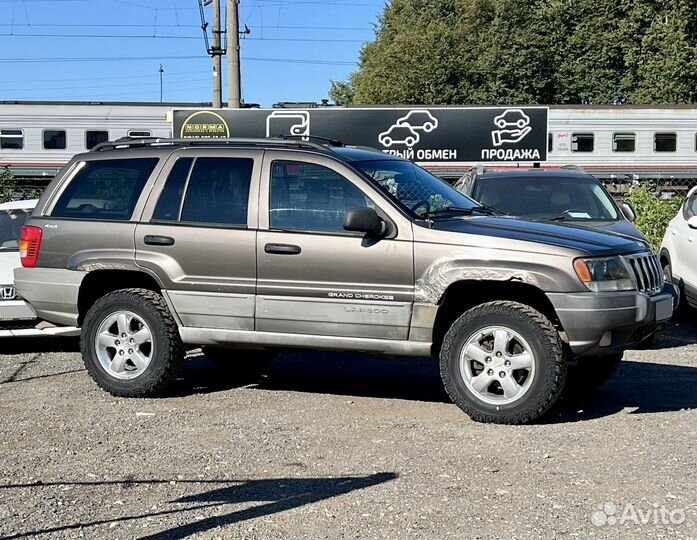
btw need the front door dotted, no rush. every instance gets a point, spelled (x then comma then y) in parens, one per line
(313, 276)
(199, 237)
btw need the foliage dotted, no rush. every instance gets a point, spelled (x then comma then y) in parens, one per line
(437, 52)
(7, 185)
(653, 213)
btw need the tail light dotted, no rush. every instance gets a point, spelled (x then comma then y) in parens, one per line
(30, 245)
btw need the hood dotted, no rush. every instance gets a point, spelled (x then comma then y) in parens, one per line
(9, 260)
(594, 242)
(621, 227)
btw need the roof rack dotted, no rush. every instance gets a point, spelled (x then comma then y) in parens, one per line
(136, 142)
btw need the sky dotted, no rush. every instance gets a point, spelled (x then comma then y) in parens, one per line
(111, 50)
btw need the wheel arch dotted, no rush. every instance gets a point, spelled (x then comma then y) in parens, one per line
(466, 294)
(100, 282)
(664, 257)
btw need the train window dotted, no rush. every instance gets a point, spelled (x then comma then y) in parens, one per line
(550, 142)
(54, 139)
(93, 138)
(582, 142)
(623, 142)
(11, 139)
(136, 133)
(665, 142)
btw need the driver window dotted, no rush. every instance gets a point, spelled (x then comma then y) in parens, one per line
(309, 197)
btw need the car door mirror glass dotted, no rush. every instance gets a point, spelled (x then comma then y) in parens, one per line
(692, 222)
(365, 220)
(628, 211)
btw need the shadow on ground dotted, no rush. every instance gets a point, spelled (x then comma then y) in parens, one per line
(270, 495)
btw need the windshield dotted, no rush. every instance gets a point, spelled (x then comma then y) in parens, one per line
(11, 222)
(578, 198)
(414, 189)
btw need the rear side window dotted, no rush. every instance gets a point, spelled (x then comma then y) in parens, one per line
(218, 191)
(55, 139)
(105, 189)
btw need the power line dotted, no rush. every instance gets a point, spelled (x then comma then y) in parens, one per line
(158, 58)
(164, 25)
(141, 36)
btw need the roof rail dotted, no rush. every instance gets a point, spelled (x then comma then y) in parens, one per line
(135, 142)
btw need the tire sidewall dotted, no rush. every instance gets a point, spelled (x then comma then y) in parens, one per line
(544, 359)
(107, 305)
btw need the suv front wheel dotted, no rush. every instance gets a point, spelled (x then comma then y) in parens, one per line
(502, 362)
(130, 343)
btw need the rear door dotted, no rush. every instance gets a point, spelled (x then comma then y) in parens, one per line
(315, 277)
(199, 236)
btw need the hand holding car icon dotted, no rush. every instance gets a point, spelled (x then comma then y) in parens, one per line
(511, 118)
(510, 136)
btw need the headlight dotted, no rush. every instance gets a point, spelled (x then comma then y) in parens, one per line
(604, 274)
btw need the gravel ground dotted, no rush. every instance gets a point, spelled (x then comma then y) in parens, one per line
(343, 446)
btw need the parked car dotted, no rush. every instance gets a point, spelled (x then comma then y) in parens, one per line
(679, 249)
(17, 318)
(278, 244)
(574, 198)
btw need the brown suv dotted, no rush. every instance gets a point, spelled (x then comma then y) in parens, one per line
(151, 245)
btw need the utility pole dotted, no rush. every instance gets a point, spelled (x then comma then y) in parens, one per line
(217, 53)
(162, 70)
(233, 36)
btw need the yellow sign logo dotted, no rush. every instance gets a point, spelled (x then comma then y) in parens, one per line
(205, 125)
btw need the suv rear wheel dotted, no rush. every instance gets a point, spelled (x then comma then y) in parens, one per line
(502, 362)
(130, 343)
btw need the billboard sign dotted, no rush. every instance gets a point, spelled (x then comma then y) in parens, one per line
(447, 135)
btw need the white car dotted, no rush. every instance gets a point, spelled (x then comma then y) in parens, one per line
(17, 318)
(679, 249)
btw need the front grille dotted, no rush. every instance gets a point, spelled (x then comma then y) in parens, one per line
(7, 292)
(647, 272)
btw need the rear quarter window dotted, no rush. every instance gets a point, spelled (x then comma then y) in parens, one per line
(105, 189)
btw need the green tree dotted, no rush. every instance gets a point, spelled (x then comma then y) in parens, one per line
(653, 213)
(7, 185)
(662, 63)
(538, 51)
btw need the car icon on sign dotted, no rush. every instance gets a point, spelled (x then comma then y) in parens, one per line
(512, 118)
(399, 135)
(419, 119)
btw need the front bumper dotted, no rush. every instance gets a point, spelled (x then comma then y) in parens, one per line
(605, 323)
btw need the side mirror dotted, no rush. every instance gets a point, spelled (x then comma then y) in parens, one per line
(692, 222)
(365, 220)
(628, 211)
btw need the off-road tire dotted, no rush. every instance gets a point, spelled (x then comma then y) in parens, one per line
(166, 364)
(543, 338)
(592, 372)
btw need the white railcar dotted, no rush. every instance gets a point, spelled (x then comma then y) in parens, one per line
(644, 142)
(611, 142)
(37, 139)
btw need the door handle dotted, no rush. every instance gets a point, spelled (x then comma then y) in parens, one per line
(282, 249)
(155, 240)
